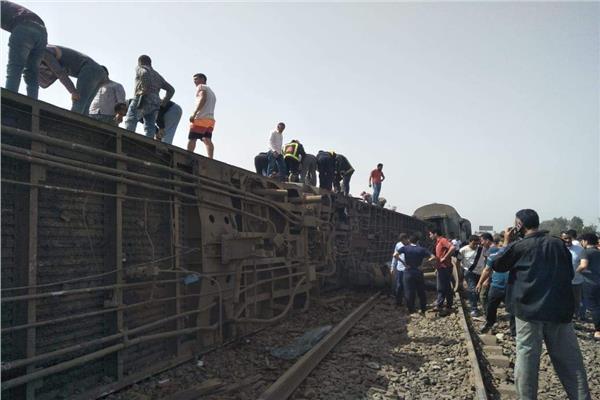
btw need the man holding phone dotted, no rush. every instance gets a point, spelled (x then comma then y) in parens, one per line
(539, 295)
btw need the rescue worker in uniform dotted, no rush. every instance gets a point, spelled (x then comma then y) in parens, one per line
(293, 154)
(308, 172)
(343, 173)
(326, 167)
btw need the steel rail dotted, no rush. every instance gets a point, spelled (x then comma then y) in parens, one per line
(480, 391)
(295, 375)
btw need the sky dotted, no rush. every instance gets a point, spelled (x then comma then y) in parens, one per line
(488, 107)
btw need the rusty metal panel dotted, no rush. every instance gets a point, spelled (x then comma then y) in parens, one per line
(147, 254)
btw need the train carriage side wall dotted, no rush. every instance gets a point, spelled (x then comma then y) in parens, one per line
(123, 256)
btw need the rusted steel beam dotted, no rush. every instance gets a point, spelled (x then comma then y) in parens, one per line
(120, 190)
(293, 377)
(175, 211)
(480, 391)
(106, 339)
(37, 174)
(90, 150)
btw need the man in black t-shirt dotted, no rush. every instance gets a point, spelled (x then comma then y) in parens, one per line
(413, 281)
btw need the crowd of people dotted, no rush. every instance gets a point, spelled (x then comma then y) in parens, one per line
(97, 96)
(544, 281)
(290, 162)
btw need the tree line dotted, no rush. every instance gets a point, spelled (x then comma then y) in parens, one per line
(556, 225)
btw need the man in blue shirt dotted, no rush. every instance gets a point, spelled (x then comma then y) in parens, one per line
(497, 291)
(398, 265)
(414, 283)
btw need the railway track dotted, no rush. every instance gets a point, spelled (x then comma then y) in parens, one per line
(496, 352)
(374, 351)
(381, 353)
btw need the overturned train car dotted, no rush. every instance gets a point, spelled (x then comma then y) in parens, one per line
(123, 256)
(445, 218)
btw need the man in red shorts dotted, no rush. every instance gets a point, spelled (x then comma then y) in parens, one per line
(202, 121)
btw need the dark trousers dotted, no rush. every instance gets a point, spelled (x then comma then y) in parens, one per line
(293, 167)
(261, 163)
(325, 180)
(577, 292)
(345, 183)
(276, 161)
(326, 167)
(444, 287)
(591, 293)
(495, 297)
(399, 289)
(414, 285)
(472, 279)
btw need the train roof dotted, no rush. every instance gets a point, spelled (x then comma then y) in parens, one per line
(436, 210)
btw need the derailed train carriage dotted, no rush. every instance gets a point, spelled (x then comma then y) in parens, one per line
(123, 256)
(445, 218)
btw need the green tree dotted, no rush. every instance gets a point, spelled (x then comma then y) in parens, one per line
(576, 223)
(556, 225)
(591, 228)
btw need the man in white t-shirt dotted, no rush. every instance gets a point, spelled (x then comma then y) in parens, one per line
(577, 282)
(275, 155)
(398, 266)
(455, 241)
(472, 261)
(202, 120)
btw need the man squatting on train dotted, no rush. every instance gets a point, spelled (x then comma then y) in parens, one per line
(99, 97)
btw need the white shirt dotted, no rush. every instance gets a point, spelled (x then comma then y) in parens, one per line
(107, 97)
(456, 243)
(468, 258)
(208, 109)
(276, 141)
(399, 265)
(576, 253)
